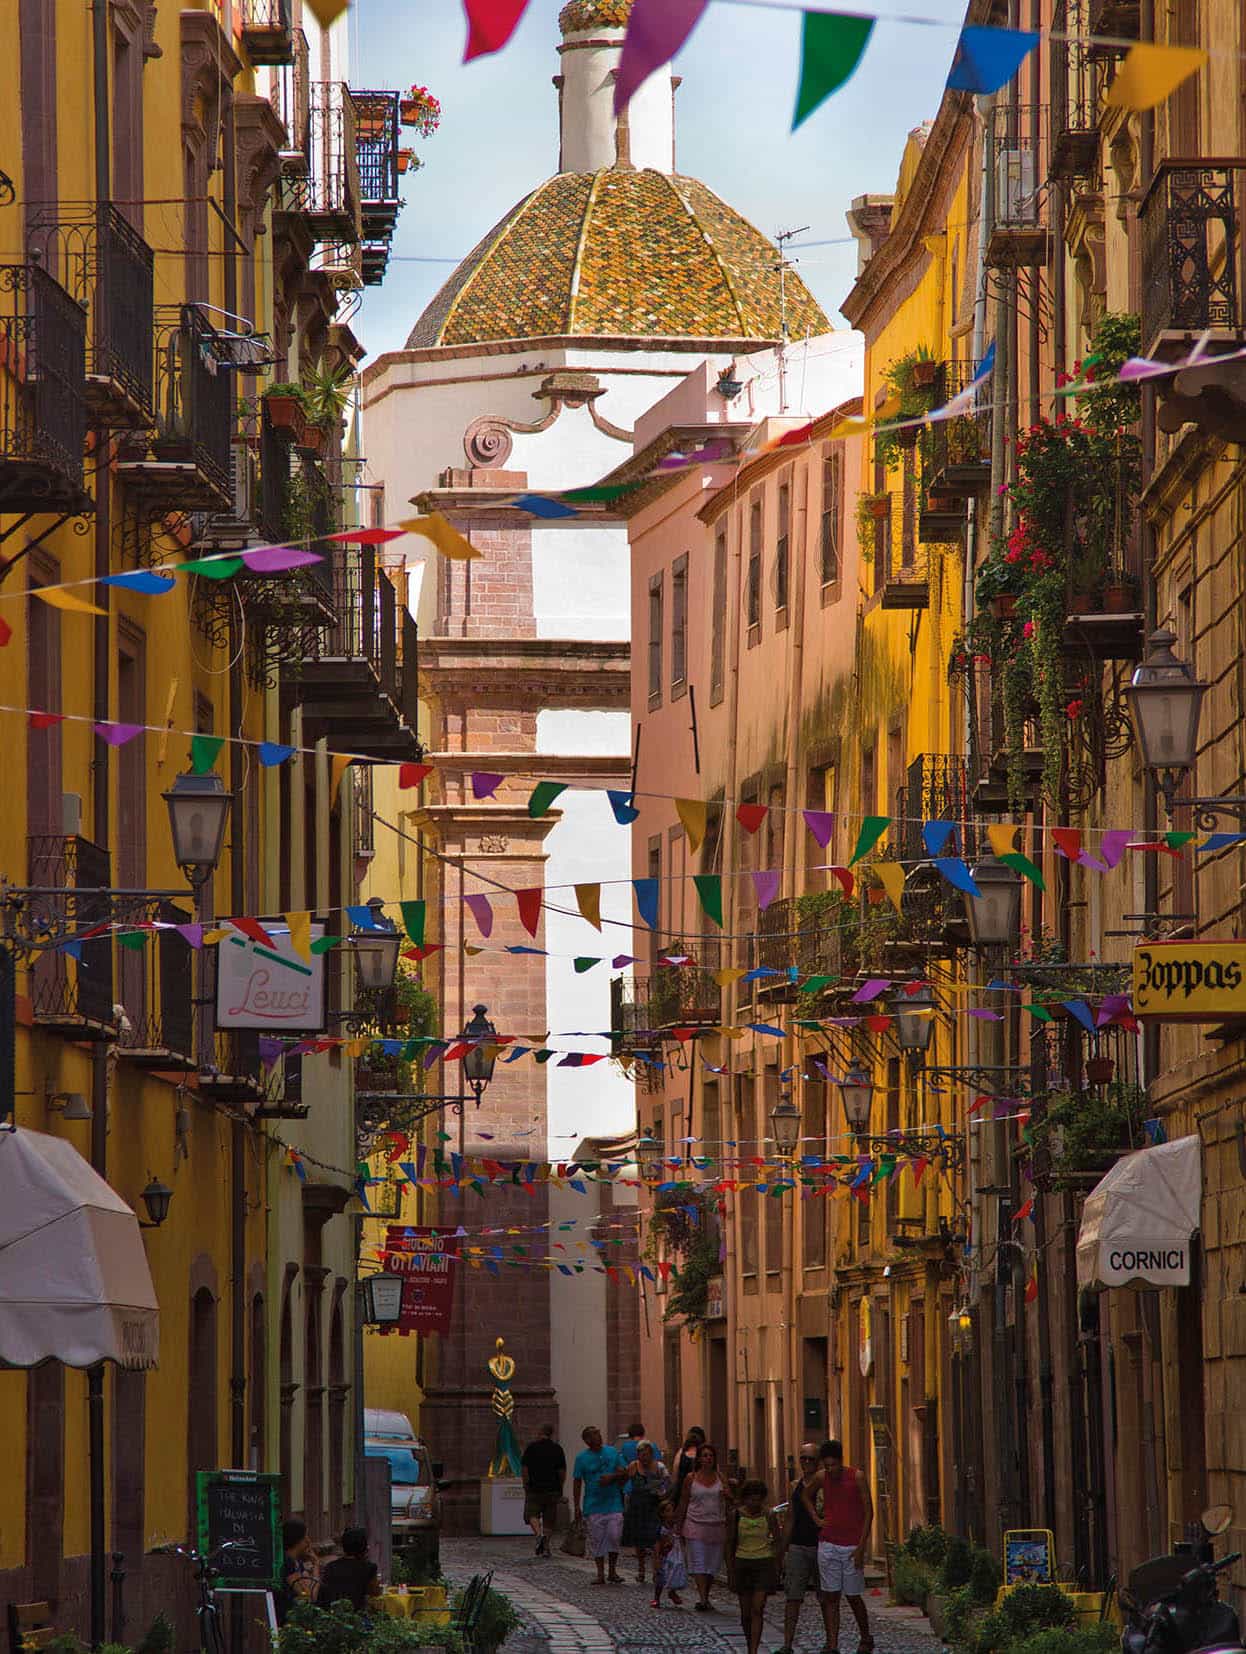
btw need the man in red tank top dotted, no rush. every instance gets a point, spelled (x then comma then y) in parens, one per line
(845, 1517)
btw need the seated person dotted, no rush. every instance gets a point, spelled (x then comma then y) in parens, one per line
(351, 1577)
(300, 1578)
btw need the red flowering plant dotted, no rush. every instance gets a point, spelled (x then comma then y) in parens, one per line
(418, 108)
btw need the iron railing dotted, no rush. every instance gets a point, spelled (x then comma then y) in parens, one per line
(1119, 18)
(376, 152)
(804, 935)
(43, 409)
(327, 193)
(1074, 94)
(70, 985)
(936, 788)
(267, 30)
(409, 652)
(291, 99)
(956, 452)
(1192, 250)
(365, 627)
(154, 986)
(195, 389)
(365, 825)
(671, 996)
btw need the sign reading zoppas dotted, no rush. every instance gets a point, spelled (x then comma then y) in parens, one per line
(1190, 981)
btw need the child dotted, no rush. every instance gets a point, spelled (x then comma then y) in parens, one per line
(670, 1573)
(753, 1545)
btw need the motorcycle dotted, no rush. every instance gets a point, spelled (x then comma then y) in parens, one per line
(1172, 1607)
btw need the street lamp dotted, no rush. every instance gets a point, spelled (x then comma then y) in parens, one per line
(995, 914)
(785, 1124)
(1166, 699)
(156, 1197)
(382, 1300)
(479, 1060)
(648, 1157)
(199, 810)
(376, 950)
(857, 1090)
(914, 1014)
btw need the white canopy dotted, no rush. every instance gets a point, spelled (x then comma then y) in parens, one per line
(1138, 1221)
(74, 1281)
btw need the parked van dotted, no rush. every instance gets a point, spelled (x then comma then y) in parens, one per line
(415, 1501)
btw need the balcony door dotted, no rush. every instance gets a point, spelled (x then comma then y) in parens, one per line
(45, 809)
(132, 821)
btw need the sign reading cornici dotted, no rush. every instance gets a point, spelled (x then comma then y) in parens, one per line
(1190, 981)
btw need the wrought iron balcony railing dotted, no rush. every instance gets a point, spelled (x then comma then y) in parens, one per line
(291, 99)
(1074, 93)
(190, 465)
(1020, 236)
(71, 989)
(956, 453)
(154, 987)
(897, 560)
(327, 194)
(1192, 275)
(936, 788)
(233, 1072)
(43, 409)
(268, 30)
(376, 129)
(1118, 18)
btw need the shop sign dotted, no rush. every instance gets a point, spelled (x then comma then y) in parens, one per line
(426, 1260)
(270, 988)
(1190, 981)
(715, 1300)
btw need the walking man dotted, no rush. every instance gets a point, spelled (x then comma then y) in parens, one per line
(846, 1520)
(800, 1547)
(597, 1483)
(544, 1472)
(630, 1445)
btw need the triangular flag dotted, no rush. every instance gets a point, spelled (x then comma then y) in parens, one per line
(656, 29)
(1002, 838)
(729, 974)
(821, 823)
(529, 904)
(987, 58)
(56, 598)
(254, 931)
(45, 720)
(1151, 73)
(588, 899)
(447, 539)
(710, 890)
(211, 568)
(485, 783)
(891, 877)
(203, 752)
(1024, 866)
(300, 933)
(751, 816)
(327, 12)
(1068, 841)
(365, 536)
(647, 900)
(410, 775)
(273, 753)
(872, 829)
(116, 735)
(957, 874)
(481, 909)
(766, 888)
(935, 835)
(583, 964)
(339, 763)
(693, 812)
(141, 580)
(540, 505)
(1031, 1290)
(621, 804)
(491, 23)
(543, 795)
(831, 48)
(279, 559)
(414, 918)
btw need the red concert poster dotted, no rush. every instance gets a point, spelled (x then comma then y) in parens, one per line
(427, 1260)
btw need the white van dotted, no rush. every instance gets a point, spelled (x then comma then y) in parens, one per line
(415, 1501)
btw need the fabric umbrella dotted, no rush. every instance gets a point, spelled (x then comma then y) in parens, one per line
(74, 1281)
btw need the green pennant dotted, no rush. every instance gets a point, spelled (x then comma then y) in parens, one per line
(322, 944)
(1039, 1013)
(212, 568)
(585, 964)
(884, 1169)
(872, 828)
(1024, 866)
(602, 493)
(543, 795)
(814, 985)
(542, 1056)
(1175, 841)
(831, 48)
(132, 939)
(710, 890)
(203, 752)
(414, 915)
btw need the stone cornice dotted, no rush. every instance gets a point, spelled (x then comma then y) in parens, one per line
(543, 672)
(571, 767)
(775, 460)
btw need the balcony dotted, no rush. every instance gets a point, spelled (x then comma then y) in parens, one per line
(633, 1022)
(188, 463)
(801, 937)
(154, 987)
(109, 269)
(326, 192)
(1192, 257)
(283, 1091)
(1119, 18)
(234, 1074)
(936, 788)
(376, 126)
(71, 994)
(291, 98)
(43, 409)
(956, 453)
(1074, 95)
(268, 31)
(1020, 237)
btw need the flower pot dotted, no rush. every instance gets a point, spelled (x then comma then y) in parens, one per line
(408, 111)
(172, 449)
(1081, 603)
(287, 416)
(879, 508)
(312, 440)
(1118, 599)
(925, 374)
(405, 158)
(1099, 1070)
(1003, 605)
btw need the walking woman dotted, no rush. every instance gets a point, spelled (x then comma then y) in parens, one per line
(754, 1541)
(646, 1487)
(686, 1458)
(703, 1522)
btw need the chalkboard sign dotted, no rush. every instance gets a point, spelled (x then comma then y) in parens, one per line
(242, 1506)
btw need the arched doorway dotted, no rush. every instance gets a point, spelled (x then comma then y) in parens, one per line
(338, 1390)
(285, 1445)
(201, 1432)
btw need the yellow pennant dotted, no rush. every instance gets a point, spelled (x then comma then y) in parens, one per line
(357, 1047)
(1002, 839)
(449, 542)
(729, 1033)
(56, 598)
(729, 974)
(300, 933)
(327, 12)
(471, 949)
(1150, 73)
(891, 877)
(693, 812)
(212, 937)
(339, 763)
(588, 899)
(850, 425)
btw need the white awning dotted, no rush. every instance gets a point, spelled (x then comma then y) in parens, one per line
(1138, 1221)
(74, 1281)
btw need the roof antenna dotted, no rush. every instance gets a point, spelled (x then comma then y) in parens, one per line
(783, 266)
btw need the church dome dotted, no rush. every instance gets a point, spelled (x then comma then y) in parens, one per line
(619, 253)
(578, 15)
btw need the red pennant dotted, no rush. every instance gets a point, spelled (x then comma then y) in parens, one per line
(844, 877)
(751, 816)
(978, 1104)
(878, 1024)
(425, 952)
(1068, 841)
(664, 1268)
(1031, 1289)
(367, 536)
(491, 23)
(919, 1170)
(400, 1143)
(410, 775)
(45, 720)
(794, 439)
(529, 904)
(1023, 1212)
(460, 1048)
(254, 931)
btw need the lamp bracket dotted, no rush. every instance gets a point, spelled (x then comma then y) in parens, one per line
(1208, 811)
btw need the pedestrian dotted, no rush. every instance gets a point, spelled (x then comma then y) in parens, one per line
(703, 1522)
(597, 1483)
(669, 1571)
(544, 1469)
(800, 1548)
(630, 1444)
(686, 1457)
(648, 1483)
(844, 1527)
(300, 1578)
(351, 1577)
(754, 1540)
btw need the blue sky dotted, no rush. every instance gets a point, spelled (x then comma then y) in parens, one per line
(499, 137)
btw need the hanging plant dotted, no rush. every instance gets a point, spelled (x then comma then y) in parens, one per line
(910, 380)
(418, 108)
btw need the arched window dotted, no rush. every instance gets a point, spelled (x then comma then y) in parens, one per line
(202, 1394)
(338, 1390)
(288, 1391)
(258, 1382)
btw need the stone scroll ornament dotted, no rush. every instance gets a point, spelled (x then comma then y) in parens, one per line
(506, 1458)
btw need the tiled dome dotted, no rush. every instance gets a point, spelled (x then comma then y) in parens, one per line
(619, 253)
(578, 15)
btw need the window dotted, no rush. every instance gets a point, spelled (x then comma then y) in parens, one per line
(893, 1125)
(776, 819)
(655, 640)
(813, 1211)
(655, 872)
(832, 507)
(896, 778)
(869, 781)
(718, 646)
(754, 564)
(782, 546)
(710, 1122)
(774, 1204)
(746, 1199)
(679, 624)
(908, 524)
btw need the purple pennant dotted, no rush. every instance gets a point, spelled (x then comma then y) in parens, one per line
(116, 735)
(983, 1015)
(1141, 367)
(278, 559)
(1111, 848)
(871, 990)
(766, 886)
(1112, 1006)
(481, 909)
(485, 783)
(192, 933)
(270, 1049)
(622, 959)
(821, 823)
(656, 30)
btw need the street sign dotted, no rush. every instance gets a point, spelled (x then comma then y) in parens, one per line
(273, 989)
(1190, 981)
(426, 1260)
(242, 1507)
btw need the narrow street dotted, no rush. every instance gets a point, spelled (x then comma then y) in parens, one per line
(565, 1613)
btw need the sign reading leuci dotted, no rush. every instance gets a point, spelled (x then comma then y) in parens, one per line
(274, 989)
(1190, 981)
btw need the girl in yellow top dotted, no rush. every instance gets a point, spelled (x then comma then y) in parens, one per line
(754, 1542)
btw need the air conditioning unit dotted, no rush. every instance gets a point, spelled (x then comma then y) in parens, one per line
(1015, 188)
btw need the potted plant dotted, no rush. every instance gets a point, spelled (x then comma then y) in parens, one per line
(418, 108)
(312, 440)
(1120, 593)
(877, 506)
(326, 393)
(997, 586)
(407, 161)
(287, 410)
(1099, 1070)
(925, 372)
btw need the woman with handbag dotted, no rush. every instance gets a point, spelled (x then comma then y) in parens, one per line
(647, 1485)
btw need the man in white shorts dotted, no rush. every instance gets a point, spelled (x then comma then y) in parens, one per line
(597, 1485)
(846, 1519)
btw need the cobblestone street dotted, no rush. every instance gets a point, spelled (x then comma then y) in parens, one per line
(565, 1613)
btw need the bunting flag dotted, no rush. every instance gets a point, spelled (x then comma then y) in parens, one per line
(891, 877)
(821, 823)
(935, 835)
(278, 559)
(765, 888)
(485, 783)
(710, 891)
(254, 931)
(327, 12)
(1026, 868)
(211, 568)
(204, 750)
(831, 47)
(490, 24)
(728, 975)
(540, 505)
(339, 763)
(411, 775)
(414, 919)
(45, 720)
(1151, 73)
(1031, 1288)
(988, 58)
(273, 753)
(656, 29)
(481, 910)
(299, 926)
(1002, 838)
(693, 813)
(56, 597)
(1218, 841)
(621, 803)
(751, 816)
(957, 874)
(588, 900)
(872, 829)
(584, 964)
(145, 581)
(647, 891)
(543, 795)
(1068, 841)
(529, 905)
(447, 539)
(1112, 847)
(116, 735)
(364, 918)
